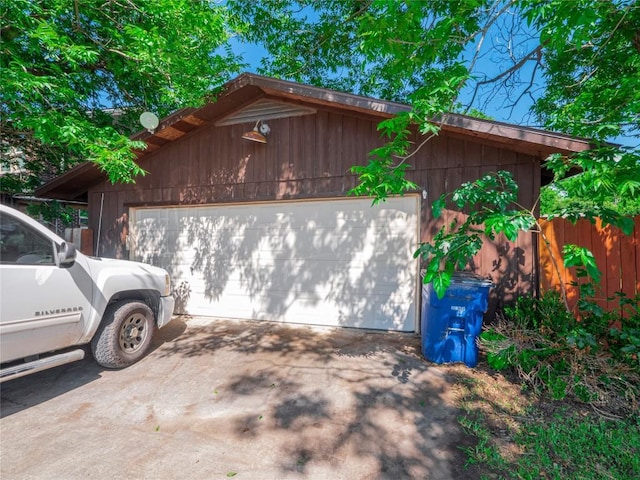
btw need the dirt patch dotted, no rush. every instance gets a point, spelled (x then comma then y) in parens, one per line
(494, 399)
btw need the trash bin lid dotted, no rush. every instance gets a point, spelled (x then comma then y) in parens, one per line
(470, 278)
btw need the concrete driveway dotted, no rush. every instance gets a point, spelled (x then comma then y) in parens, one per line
(244, 400)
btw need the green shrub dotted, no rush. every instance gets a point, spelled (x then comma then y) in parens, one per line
(593, 359)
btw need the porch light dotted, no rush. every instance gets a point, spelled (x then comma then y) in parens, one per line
(259, 132)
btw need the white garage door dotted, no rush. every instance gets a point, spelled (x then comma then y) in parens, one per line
(335, 262)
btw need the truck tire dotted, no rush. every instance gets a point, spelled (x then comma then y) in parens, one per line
(124, 336)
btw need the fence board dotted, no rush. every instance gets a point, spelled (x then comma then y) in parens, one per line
(617, 257)
(636, 240)
(629, 273)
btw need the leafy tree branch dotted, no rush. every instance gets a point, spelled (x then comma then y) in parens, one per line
(575, 62)
(77, 75)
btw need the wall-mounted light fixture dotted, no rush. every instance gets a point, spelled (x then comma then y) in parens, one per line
(259, 133)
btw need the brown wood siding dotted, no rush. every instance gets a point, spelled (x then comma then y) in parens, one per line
(445, 165)
(307, 157)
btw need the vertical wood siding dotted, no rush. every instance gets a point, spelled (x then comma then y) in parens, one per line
(307, 157)
(617, 257)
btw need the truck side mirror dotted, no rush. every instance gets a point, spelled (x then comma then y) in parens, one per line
(66, 254)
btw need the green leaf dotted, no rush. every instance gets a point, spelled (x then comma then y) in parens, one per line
(437, 206)
(627, 225)
(442, 280)
(576, 256)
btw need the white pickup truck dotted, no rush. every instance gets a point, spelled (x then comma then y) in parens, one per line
(54, 300)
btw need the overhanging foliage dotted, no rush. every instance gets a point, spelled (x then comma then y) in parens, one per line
(77, 75)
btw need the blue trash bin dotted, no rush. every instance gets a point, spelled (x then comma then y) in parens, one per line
(451, 325)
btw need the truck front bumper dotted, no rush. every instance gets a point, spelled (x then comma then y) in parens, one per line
(165, 310)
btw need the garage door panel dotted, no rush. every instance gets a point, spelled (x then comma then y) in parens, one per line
(360, 266)
(314, 312)
(331, 262)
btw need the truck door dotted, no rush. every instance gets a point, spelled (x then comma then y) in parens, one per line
(42, 308)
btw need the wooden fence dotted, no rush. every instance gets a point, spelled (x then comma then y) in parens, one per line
(617, 256)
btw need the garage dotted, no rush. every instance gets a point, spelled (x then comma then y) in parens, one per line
(263, 226)
(333, 262)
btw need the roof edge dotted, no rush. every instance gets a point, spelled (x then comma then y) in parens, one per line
(48, 189)
(541, 141)
(531, 135)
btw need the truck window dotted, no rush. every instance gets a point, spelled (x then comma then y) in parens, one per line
(19, 244)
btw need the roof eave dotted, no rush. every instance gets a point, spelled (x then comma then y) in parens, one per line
(541, 141)
(248, 88)
(73, 184)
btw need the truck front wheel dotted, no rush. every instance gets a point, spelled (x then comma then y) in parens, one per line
(124, 336)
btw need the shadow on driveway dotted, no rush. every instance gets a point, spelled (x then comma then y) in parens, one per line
(26, 392)
(254, 399)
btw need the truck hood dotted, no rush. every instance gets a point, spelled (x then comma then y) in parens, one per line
(135, 274)
(126, 264)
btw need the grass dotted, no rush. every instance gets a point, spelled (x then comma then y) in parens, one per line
(519, 435)
(557, 397)
(574, 446)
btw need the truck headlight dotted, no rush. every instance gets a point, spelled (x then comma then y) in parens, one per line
(167, 285)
